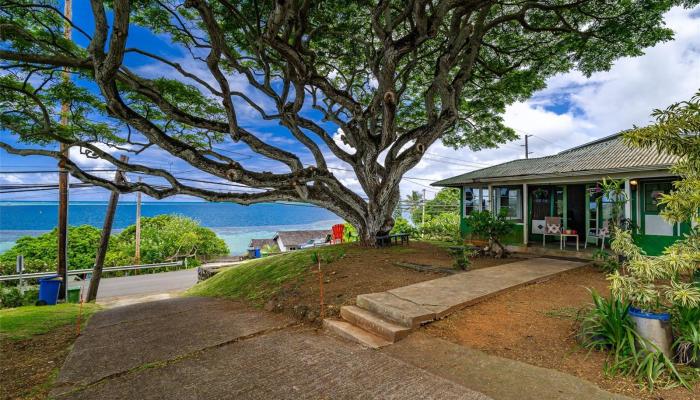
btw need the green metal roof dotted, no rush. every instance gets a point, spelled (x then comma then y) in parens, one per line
(603, 156)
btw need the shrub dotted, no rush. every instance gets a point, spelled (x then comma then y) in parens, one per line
(493, 227)
(607, 326)
(40, 252)
(605, 261)
(444, 226)
(401, 225)
(163, 238)
(349, 233)
(11, 297)
(686, 324)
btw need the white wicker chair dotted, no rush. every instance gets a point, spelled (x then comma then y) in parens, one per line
(552, 227)
(601, 234)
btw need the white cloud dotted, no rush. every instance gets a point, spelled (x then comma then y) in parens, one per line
(599, 106)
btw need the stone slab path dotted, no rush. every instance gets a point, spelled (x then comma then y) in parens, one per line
(383, 318)
(197, 348)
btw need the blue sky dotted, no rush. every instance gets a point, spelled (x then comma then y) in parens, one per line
(572, 110)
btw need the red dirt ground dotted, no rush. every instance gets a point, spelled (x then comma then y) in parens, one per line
(535, 324)
(365, 270)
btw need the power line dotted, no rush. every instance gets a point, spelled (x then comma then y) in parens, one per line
(459, 159)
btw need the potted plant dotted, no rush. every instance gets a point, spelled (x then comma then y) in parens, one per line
(654, 287)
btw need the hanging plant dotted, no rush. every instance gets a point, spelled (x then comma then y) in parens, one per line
(541, 194)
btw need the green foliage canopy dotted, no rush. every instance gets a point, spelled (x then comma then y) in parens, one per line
(665, 282)
(163, 238)
(392, 77)
(446, 200)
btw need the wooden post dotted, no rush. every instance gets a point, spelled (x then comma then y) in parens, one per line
(104, 238)
(526, 218)
(423, 213)
(322, 311)
(137, 250)
(62, 264)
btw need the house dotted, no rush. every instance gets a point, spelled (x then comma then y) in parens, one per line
(566, 185)
(262, 243)
(292, 240)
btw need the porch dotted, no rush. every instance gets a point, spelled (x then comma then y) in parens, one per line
(552, 249)
(565, 189)
(577, 206)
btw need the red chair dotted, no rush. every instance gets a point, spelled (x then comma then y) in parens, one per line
(338, 231)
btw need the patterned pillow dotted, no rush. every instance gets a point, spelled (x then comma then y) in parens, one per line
(552, 228)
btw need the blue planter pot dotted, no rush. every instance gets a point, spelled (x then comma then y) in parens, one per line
(655, 328)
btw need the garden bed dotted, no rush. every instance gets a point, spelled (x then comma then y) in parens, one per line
(289, 283)
(536, 325)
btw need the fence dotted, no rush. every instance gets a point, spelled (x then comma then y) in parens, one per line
(89, 270)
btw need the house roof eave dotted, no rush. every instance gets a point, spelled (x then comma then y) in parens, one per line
(529, 178)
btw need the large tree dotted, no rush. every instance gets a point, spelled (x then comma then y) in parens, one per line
(392, 76)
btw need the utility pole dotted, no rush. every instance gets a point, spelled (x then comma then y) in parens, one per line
(104, 237)
(137, 250)
(423, 217)
(527, 147)
(62, 265)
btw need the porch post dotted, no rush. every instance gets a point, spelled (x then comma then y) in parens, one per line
(492, 203)
(481, 198)
(526, 213)
(628, 204)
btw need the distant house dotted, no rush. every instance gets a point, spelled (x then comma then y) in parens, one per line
(262, 243)
(292, 240)
(567, 185)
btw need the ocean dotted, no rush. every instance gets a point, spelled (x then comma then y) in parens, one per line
(234, 223)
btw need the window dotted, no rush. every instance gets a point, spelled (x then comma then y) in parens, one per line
(559, 201)
(475, 199)
(510, 200)
(485, 199)
(652, 194)
(471, 199)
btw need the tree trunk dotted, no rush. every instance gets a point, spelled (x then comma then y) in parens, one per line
(104, 239)
(378, 222)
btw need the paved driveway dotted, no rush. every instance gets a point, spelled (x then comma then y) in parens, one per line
(196, 348)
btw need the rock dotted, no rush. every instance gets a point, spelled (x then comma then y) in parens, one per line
(300, 311)
(311, 315)
(270, 305)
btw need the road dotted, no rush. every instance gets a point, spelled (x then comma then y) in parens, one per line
(147, 287)
(136, 286)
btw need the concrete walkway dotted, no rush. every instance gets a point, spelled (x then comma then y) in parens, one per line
(496, 377)
(197, 348)
(385, 317)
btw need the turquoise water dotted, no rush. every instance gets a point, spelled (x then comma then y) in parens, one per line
(234, 223)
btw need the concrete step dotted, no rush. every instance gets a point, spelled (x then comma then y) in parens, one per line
(373, 323)
(395, 309)
(349, 331)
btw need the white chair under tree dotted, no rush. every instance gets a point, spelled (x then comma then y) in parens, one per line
(552, 227)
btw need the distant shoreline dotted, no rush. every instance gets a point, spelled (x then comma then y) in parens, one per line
(234, 223)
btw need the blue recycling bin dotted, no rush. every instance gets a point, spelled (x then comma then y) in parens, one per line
(257, 253)
(48, 290)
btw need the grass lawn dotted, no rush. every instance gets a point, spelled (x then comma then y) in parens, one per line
(25, 322)
(34, 342)
(257, 280)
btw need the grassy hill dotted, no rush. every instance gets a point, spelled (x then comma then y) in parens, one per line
(260, 279)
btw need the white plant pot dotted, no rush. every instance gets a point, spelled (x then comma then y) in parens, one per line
(654, 327)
